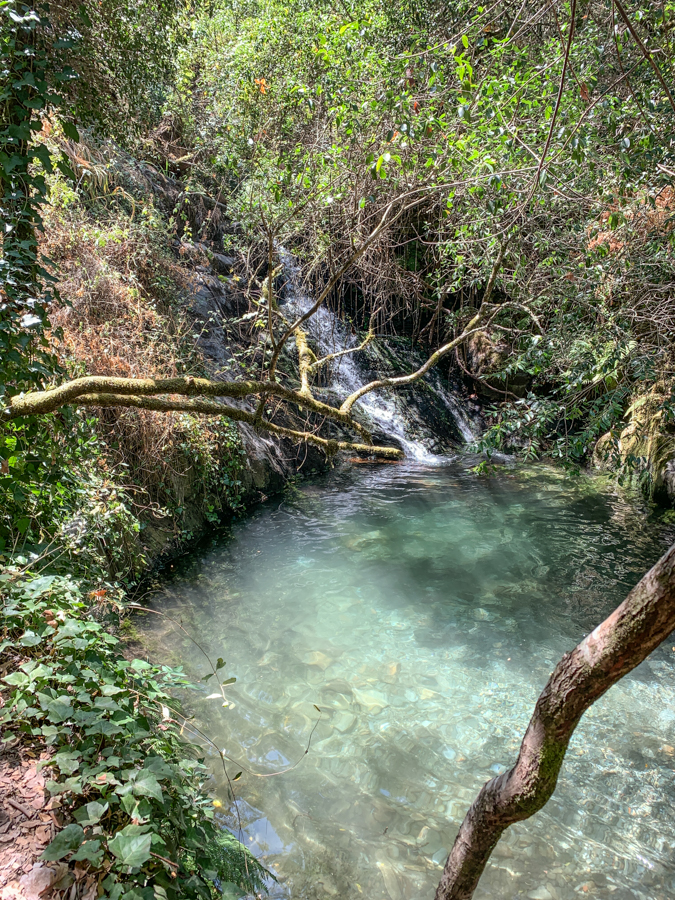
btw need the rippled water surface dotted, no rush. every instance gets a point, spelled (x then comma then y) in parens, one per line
(422, 610)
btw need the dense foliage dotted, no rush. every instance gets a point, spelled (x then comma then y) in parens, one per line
(550, 127)
(129, 784)
(130, 789)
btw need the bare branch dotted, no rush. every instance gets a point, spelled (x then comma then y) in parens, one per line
(475, 325)
(573, 14)
(647, 55)
(336, 277)
(331, 356)
(414, 376)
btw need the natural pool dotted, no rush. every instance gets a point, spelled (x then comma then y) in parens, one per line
(422, 610)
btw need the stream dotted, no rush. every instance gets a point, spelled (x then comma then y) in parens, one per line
(421, 609)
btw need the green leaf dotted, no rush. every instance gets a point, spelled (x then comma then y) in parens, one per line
(220, 664)
(131, 849)
(91, 813)
(108, 690)
(70, 131)
(158, 767)
(59, 711)
(91, 851)
(18, 679)
(42, 153)
(68, 762)
(67, 840)
(30, 639)
(146, 785)
(140, 664)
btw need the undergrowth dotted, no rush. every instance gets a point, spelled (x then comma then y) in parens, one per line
(126, 784)
(82, 488)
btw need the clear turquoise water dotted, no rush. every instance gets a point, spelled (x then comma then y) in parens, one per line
(422, 610)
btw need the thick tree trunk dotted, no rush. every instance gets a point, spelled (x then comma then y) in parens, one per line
(644, 619)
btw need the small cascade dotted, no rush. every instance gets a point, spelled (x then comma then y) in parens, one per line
(386, 411)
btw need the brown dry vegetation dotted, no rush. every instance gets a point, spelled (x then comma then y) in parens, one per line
(124, 315)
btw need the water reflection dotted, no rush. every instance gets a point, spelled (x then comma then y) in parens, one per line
(422, 611)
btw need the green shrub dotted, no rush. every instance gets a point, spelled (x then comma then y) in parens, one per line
(131, 788)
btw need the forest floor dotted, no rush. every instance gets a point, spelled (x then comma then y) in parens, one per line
(28, 822)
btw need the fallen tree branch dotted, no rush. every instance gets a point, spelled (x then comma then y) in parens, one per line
(212, 408)
(620, 643)
(402, 380)
(331, 356)
(306, 358)
(39, 402)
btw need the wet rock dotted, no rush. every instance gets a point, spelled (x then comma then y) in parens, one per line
(223, 264)
(373, 701)
(392, 881)
(343, 722)
(541, 893)
(317, 658)
(481, 614)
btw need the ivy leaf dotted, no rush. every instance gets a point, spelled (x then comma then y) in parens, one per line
(68, 762)
(131, 849)
(146, 785)
(67, 840)
(17, 679)
(29, 638)
(58, 710)
(91, 813)
(90, 851)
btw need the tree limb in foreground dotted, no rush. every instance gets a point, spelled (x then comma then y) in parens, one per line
(644, 619)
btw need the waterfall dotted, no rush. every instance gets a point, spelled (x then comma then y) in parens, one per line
(385, 410)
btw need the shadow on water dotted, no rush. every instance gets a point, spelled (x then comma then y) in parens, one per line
(422, 610)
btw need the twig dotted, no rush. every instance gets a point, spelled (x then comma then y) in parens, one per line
(21, 808)
(554, 117)
(647, 55)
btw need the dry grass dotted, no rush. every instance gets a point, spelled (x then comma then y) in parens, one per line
(123, 316)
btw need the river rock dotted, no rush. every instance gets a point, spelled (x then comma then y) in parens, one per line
(373, 701)
(316, 658)
(343, 721)
(541, 893)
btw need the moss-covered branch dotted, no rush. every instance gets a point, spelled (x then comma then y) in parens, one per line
(213, 408)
